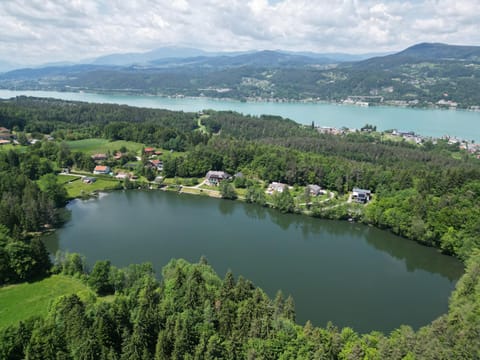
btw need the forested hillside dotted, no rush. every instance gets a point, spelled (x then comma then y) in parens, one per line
(421, 75)
(193, 314)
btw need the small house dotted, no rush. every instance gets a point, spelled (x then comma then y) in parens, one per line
(99, 169)
(5, 134)
(149, 151)
(157, 164)
(122, 176)
(361, 195)
(88, 180)
(4, 142)
(214, 177)
(315, 190)
(276, 187)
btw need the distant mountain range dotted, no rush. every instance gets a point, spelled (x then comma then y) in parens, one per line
(421, 75)
(173, 54)
(169, 54)
(435, 52)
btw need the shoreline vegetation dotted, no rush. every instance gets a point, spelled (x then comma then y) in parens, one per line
(428, 193)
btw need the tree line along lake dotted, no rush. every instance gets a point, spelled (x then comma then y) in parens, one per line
(428, 122)
(350, 274)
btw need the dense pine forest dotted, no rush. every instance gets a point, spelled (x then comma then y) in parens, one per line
(193, 314)
(428, 193)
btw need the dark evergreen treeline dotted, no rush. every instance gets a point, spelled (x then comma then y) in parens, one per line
(26, 208)
(193, 314)
(249, 127)
(22, 260)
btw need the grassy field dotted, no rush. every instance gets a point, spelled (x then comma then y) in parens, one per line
(13, 147)
(94, 146)
(77, 188)
(19, 302)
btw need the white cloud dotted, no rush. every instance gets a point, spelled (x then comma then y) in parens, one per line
(33, 31)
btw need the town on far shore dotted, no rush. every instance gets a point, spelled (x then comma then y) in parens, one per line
(410, 136)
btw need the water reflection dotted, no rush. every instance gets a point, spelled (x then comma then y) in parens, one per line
(226, 207)
(255, 211)
(414, 256)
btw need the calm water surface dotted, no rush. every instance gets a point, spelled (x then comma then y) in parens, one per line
(350, 274)
(430, 122)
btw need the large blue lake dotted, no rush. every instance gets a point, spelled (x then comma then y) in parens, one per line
(429, 122)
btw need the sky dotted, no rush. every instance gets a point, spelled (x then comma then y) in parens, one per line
(41, 31)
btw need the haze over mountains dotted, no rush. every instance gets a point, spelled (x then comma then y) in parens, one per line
(422, 75)
(169, 53)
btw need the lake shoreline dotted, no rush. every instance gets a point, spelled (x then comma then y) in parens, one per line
(215, 194)
(313, 237)
(387, 103)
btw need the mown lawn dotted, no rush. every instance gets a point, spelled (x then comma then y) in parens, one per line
(94, 146)
(22, 301)
(78, 188)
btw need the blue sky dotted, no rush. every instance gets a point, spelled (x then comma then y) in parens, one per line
(38, 31)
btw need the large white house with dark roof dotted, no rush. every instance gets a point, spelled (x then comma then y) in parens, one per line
(214, 177)
(361, 195)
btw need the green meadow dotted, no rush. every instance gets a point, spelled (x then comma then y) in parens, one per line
(77, 188)
(93, 146)
(22, 301)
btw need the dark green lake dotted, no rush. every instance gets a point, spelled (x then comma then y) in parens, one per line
(350, 274)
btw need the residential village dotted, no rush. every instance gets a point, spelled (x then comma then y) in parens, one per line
(409, 136)
(130, 168)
